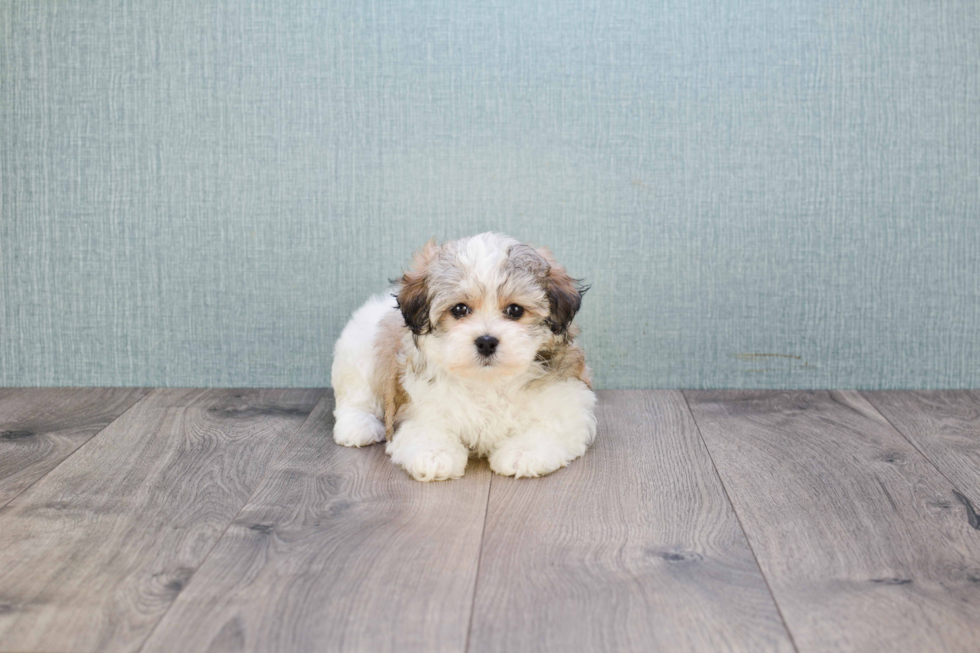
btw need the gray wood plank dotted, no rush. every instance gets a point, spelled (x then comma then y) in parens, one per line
(94, 553)
(40, 427)
(337, 550)
(634, 547)
(861, 539)
(945, 426)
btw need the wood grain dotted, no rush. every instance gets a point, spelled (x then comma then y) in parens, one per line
(95, 552)
(632, 548)
(40, 427)
(862, 540)
(337, 550)
(945, 426)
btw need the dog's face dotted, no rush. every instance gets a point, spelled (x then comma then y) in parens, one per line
(486, 306)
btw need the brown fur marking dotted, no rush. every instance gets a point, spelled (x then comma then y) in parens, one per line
(413, 291)
(565, 361)
(564, 294)
(391, 333)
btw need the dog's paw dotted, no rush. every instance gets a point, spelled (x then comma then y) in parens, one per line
(356, 428)
(528, 460)
(436, 465)
(432, 464)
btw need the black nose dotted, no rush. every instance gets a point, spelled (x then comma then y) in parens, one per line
(486, 345)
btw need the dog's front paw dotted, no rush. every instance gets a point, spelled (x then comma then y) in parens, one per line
(522, 459)
(434, 464)
(357, 428)
(426, 453)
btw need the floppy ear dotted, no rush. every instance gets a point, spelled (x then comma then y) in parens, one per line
(564, 294)
(413, 290)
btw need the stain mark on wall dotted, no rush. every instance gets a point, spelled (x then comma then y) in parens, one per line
(751, 357)
(792, 362)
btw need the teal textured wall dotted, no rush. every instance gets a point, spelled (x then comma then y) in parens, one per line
(763, 193)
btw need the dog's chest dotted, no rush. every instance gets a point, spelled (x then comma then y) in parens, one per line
(481, 416)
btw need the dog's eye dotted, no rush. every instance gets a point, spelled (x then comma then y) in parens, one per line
(514, 311)
(459, 310)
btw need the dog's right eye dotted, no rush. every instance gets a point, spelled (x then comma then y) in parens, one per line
(459, 310)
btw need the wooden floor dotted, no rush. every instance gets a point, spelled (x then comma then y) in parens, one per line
(227, 520)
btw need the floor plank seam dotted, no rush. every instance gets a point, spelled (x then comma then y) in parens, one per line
(79, 448)
(956, 489)
(738, 518)
(204, 560)
(479, 559)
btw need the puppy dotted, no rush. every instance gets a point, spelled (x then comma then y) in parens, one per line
(472, 355)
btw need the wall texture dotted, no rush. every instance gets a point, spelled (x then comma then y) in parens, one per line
(777, 193)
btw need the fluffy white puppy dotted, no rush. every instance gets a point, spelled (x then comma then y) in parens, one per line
(472, 355)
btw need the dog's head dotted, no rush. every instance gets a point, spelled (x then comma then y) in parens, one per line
(487, 305)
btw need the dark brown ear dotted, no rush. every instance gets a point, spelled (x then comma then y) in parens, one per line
(413, 290)
(564, 294)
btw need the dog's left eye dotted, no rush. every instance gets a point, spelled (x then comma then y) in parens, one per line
(514, 311)
(459, 310)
